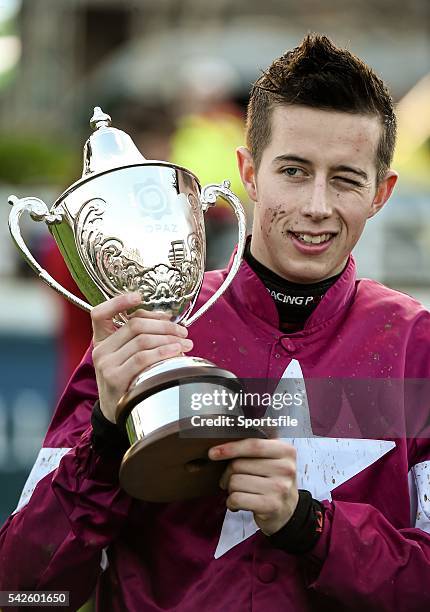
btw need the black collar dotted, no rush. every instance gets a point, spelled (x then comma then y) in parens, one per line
(295, 302)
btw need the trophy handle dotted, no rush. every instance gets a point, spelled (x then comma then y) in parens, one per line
(38, 212)
(208, 198)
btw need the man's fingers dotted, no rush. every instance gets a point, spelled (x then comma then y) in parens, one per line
(138, 326)
(252, 447)
(142, 327)
(121, 354)
(259, 504)
(260, 467)
(246, 483)
(146, 342)
(139, 361)
(150, 314)
(103, 314)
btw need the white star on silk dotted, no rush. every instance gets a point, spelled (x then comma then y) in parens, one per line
(322, 464)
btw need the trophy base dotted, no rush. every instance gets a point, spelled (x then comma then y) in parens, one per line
(170, 437)
(166, 467)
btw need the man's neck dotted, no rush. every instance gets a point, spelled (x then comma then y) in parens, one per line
(295, 302)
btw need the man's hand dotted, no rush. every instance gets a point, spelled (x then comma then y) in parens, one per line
(119, 355)
(261, 477)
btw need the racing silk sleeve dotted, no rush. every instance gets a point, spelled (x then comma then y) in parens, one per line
(364, 562)
(71, 508)
(361, 558)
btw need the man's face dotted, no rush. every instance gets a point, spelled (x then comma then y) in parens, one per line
(314, 190)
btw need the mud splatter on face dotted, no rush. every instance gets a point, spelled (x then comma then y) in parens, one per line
(272, 215)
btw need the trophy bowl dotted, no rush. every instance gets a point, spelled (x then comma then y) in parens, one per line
(131, 224)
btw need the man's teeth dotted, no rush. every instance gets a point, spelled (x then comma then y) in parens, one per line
(313, 239)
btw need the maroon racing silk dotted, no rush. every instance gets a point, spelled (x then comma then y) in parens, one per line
(76, 530)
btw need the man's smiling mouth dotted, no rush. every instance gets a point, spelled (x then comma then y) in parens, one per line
(312, 238)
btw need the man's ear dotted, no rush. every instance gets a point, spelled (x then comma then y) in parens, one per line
(383, 192)
(245, 163)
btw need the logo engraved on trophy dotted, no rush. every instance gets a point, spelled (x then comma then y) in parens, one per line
(152, 200)
(109, 251)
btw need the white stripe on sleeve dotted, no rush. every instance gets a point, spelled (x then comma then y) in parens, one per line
(47, 461)
(421, 478)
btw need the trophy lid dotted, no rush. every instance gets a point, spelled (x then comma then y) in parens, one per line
(108, 147)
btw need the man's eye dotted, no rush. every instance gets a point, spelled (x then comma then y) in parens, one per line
(348, 181)
(293, 171)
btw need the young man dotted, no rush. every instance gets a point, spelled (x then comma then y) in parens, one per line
(321, 132)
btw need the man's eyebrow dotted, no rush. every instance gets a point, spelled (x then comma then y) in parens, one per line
(292, 158)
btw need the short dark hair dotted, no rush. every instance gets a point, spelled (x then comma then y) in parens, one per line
(321, 75)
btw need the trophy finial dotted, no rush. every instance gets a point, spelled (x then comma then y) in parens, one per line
(99, 119)
(108, 148)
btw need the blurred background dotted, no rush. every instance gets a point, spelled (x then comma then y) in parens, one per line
(175, 75)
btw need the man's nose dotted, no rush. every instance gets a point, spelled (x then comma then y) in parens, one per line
(318, 206)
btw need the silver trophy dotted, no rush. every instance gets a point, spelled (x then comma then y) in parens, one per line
(131, 224)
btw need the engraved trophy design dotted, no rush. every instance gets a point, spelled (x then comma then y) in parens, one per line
(132, 224)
